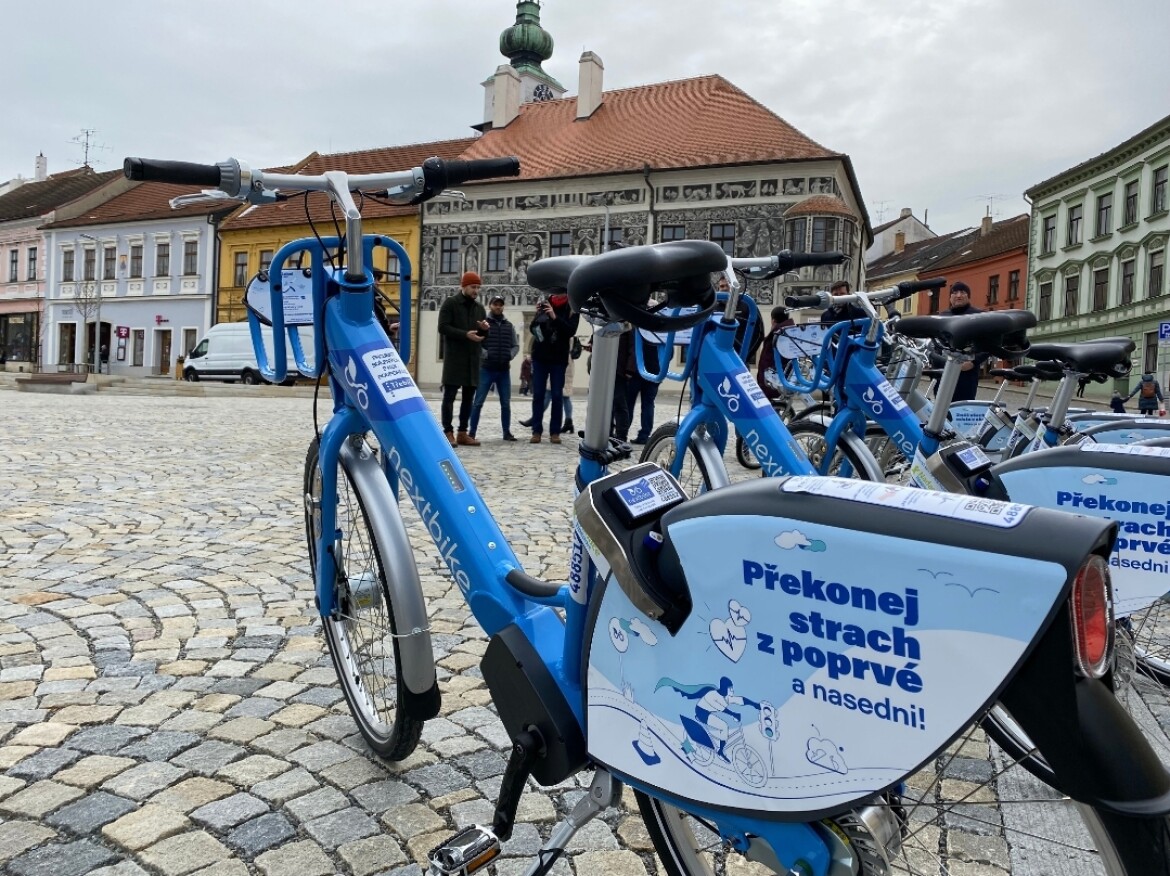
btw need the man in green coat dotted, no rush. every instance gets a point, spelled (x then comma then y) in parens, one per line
(463, 326)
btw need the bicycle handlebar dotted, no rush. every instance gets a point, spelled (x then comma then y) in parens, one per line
(766, 267)
(909, 287)
(457, 171)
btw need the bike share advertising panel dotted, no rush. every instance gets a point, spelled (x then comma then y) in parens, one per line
(825, 654)
(1120, 482)
(968, 418)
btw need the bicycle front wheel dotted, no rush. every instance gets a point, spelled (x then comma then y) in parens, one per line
(361, 633)
(972, 803)
(849, 459)
(661, 449)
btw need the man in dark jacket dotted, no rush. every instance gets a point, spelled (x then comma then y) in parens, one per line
(499, 349)
(836, 313)
(968, 386)
(552, 329)
(463, 326)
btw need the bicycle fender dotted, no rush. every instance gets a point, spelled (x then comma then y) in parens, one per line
(417, 669)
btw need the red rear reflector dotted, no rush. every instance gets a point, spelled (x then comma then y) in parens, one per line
(1092, 616)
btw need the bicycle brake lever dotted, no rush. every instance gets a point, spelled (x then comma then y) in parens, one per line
(205, 195)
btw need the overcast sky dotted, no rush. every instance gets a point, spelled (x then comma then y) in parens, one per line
(945, 106)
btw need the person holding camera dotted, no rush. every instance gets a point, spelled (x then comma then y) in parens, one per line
(463, 325)
(552, 330)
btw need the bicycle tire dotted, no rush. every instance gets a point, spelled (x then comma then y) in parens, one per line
(810, 436)
(369, 680)
(744, 456)
(660, 448)
(1097, 841)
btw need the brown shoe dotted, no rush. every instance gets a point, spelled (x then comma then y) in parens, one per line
(555, 439)
(535, 439)
(450, 437)
(465, 440)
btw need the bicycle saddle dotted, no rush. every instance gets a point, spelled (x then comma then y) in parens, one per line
(1001, 332)
(1040, 371)
(1088, 358)
(1006, 373)
(619, 283)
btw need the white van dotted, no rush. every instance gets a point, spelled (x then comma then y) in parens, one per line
(225, 353)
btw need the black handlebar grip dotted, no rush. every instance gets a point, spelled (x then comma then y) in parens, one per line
(909, 287)
(802, 301)
(481, 168)
(184, 172)
(790, 261)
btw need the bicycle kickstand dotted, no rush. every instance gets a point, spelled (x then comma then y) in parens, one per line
(604, 792)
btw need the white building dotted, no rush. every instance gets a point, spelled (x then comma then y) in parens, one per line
(1097, 253)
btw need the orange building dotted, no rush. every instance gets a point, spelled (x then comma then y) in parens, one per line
(993, 262)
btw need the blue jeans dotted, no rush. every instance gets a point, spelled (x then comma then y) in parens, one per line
(554, 375)
(502, 381)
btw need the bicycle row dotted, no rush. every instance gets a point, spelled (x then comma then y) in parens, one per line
(767, 665)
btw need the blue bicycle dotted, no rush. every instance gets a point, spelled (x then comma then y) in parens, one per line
(688, 608)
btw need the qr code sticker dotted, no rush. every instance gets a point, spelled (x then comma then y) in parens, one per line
(662, 485)
(984, 506)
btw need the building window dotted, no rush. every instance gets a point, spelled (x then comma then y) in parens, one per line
(796, 232)
(723, 233)
(1074, 224)
(190, 258)
(1014, 286)
(1101, 289)
(139, 346)
(1158, 201)
(933, 296)
(673, 232)
(136, 260)
(162, 259)
(1072, 291)
(265, 259)
(32, 263)
(1045, 302)
(189, 341)
(1104, 214)
(1127, 272)
(1048, 244)
(560, 243)
(13, 264)
(449, 255)
(90, 264)
(67, 266)
(993, 289)
(240, 269)
(109, 260)
(497, 252)
(824, 235)
(393, 269)
(1131, 201)
(617, 237)
(1157, 262)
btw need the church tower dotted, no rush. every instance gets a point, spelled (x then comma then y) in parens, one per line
(526, 45)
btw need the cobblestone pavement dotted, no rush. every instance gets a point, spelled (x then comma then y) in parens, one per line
(166, 705)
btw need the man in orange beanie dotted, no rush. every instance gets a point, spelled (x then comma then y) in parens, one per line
(463, 326)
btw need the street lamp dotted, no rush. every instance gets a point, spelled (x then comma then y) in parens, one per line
(97, 322)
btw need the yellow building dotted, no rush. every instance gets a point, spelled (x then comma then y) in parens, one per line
(251, 236)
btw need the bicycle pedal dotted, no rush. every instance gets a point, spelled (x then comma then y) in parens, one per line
(464, 853)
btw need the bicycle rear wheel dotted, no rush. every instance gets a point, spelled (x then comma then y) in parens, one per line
(971, 804)
(361, 634)
(744, 455)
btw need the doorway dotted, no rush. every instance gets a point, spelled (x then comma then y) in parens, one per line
(67, 345)
(162, 344)
(87, 357)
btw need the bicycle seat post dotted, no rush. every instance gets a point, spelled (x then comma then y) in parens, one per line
(603, 365)
(947, 382)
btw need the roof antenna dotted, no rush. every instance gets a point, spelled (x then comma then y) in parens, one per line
(85, 141)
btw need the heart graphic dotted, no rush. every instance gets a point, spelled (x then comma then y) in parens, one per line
(729, 639)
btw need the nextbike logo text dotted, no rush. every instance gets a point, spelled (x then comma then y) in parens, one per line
(430, 518)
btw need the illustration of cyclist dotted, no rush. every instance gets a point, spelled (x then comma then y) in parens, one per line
(712, 711)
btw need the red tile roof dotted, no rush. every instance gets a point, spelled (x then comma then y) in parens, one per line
(699, 122)
(143, 202)
(367, 161)
(821, 205)
(38, 198)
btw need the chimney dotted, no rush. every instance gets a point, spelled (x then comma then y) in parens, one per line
(505, 96)
(906, 211)
(589, 85)
(42, 171)
(985, 228)
(899, 241)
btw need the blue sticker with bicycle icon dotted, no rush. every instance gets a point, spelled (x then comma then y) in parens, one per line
(377, 379)
(801, 673)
